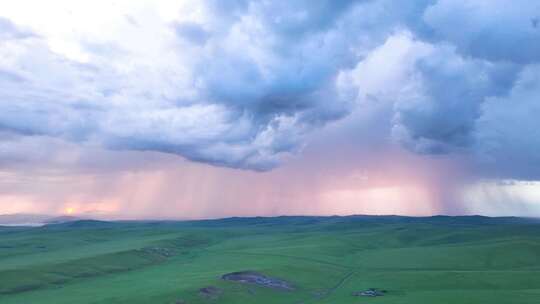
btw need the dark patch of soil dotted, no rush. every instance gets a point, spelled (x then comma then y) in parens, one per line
(159, 251)
(320, 293)
(210, 292)
(252, 277)
(371, 292)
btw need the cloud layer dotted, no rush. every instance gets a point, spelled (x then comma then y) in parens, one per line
(242, 84)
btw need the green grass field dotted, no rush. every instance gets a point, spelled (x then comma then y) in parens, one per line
(417, 260)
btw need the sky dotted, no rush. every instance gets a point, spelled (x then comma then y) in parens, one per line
(134, 109)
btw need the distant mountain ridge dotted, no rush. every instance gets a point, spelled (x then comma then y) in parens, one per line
(27, 219)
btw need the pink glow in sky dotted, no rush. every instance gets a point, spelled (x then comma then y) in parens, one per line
(321, 182)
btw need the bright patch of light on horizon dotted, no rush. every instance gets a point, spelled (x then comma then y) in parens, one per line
(503, 197)
(403, 200)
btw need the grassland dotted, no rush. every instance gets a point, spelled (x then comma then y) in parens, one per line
(417, 260)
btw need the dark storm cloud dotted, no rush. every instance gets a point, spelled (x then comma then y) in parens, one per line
(243, 86)
(495, 30)
(467, 97)
(507, 133)
(441, 116)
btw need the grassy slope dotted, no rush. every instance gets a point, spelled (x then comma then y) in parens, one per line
(430, 260)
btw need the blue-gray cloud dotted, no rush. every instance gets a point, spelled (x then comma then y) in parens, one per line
(507, 133)
(8, 30)
(243, 86)
(441, 116)
(192, 32)
(495, 30)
